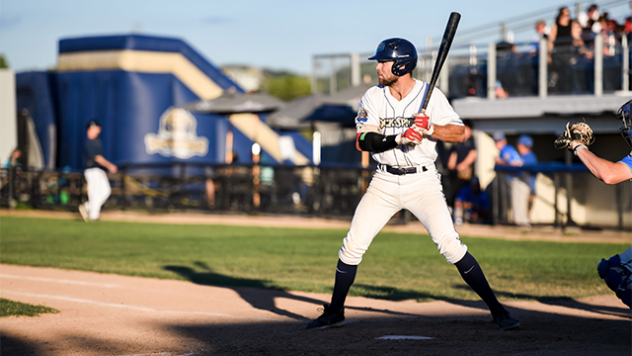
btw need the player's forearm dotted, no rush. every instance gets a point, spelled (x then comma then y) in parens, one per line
(606, 171)
(449, 133)
(452, 161)
(469, 159)
(375, 142)
(103, 162)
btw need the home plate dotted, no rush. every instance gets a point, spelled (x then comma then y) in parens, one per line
(404, 337)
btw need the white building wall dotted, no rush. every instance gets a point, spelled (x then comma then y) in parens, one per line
(8, 118)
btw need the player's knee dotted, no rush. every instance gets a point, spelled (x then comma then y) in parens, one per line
(617, 277)
(452, 248)
(351, 252)
(350, 256)
(626, 296)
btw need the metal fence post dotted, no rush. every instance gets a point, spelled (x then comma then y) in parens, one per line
(444, 77)
(491, 72)
(625, 55)
(332, 77)
(618, 193)
(124, 188)
(568, 158)
(599, 65)
(11, 183)
(503, 31)
(313, 82)
(355, 69)
(543, 75)
(473, 60)
(495, 199)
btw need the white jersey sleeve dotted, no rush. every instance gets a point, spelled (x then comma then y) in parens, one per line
(368, 119)
(440, 111)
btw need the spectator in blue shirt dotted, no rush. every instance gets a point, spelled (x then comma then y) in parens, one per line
(525, 143)
(519, 189)
(509, 156)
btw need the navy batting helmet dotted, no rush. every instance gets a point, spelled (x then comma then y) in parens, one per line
(624, 114)
(399, 50)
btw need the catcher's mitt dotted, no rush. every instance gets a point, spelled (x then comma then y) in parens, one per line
(579, 131)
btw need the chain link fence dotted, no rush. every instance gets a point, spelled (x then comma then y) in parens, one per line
(319, 191)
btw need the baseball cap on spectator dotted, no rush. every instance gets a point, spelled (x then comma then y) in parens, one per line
(525, 140)
(498, 136)
(93, 122)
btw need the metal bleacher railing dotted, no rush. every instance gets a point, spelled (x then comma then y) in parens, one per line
(522, 69)
(487, 55)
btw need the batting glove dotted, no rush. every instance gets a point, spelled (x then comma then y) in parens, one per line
(423, 122)
(412, 136)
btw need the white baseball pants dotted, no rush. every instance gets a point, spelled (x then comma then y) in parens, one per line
(520, 191)
(98, 191)
(421, 194)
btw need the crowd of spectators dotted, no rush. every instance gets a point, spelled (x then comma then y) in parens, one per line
(571, 44)
(571, 52)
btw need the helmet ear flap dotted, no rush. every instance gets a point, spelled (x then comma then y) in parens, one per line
(625, 114)
(402, 68)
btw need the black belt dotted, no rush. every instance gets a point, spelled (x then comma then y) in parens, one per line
(403, 170)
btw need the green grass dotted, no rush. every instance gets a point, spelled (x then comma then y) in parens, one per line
(396, 267)
(10, 307)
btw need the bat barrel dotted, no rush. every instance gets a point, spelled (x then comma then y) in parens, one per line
(444, 48)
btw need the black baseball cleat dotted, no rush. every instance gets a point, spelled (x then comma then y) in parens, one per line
(505, 321)
(328, 319)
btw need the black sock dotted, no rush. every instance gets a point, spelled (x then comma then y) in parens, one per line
(473, 275)
(345, 275)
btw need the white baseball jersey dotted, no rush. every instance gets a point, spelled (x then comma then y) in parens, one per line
(380, 112)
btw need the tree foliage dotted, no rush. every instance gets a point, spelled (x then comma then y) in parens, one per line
(286, 86)
(3, 62)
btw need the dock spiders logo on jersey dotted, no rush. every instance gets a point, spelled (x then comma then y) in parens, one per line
(362, 117)
(392, 122)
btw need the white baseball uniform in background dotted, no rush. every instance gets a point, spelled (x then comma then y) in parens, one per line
(98, 191)
(420, 193)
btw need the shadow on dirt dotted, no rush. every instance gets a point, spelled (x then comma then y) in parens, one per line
(243, 287)
(12, 345)
(566, 302)
(540, 334)
(250, 290)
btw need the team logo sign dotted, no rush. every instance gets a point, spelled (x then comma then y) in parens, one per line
(176, 136)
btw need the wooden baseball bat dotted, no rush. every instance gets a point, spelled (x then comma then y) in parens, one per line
(446, 42)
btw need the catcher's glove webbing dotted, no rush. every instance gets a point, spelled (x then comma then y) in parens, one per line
(579, 131)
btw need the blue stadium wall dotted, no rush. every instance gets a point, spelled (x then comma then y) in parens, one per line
(130, 83)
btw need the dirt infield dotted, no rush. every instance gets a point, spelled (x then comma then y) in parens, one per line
(103, 314)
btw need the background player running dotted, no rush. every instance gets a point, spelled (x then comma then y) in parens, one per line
(406, 177)
(98, 184)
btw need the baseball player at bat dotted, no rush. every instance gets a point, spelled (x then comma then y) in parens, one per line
(402, 142)
(617, 270)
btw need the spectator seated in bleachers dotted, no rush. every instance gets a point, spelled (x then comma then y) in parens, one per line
(472, 205)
